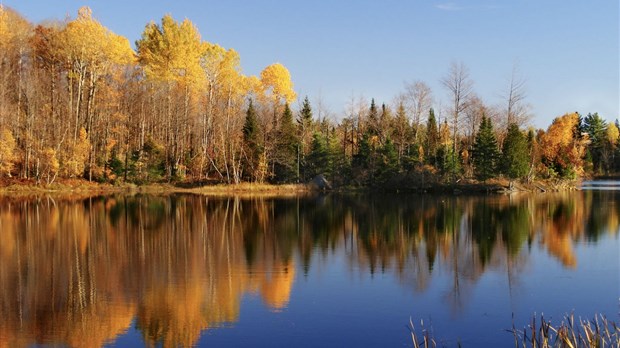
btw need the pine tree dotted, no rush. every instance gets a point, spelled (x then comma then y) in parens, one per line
(485, 153)
(251, 141)
(389, 161)
(432, 138)
(596, 128)
(286, 160)
(304, 130)
(373, 119)
(448, 161)
(318, 160)
(515, 154)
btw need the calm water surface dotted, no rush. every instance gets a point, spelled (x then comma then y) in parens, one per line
(181, 270)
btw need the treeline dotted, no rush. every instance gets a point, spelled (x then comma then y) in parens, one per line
(76, 101)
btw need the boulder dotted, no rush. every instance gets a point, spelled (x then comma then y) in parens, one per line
(319, 182)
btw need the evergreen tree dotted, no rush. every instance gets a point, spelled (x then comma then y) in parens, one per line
(485, 153)
(364, 161)
(515, 154)
(286, 158)
(385, 124)
(432, 138)
(319, 161)
(448, 161)
(389, 161)
(251, 141)
(596, 128)
(305, 130)
(373, 119)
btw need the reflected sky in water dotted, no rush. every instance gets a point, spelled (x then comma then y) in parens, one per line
(190, 270)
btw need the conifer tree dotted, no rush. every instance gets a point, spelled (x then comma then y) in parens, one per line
(286, 159)
(432, 138)
(389, 161)
(304, 127)
(318, 160)
(596, 128)
(515, 154)
(251, 141)
(373, 119)
(485, 153)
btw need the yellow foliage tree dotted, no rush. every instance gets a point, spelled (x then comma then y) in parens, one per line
(172, 51)
(7, 152)
(75, 163)
(612, 134)
(91, 50)
(276, 82)
(49, 164)
(560, 147)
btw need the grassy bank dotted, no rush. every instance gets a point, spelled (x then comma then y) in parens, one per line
(69, 186)
(495, 186)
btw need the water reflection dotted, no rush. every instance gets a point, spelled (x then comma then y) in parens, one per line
(80, 271)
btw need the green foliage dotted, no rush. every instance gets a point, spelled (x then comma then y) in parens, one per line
(485, 154)
(305, 125)
(365, 159)
(117, 167)
(432, 138)
(152, 162)
(515, 154)
(388, 166)
(319, 159)
(596, 128)
(304, 121)
(373, 119)
(448, 161)
(251, 143)
(286, 158)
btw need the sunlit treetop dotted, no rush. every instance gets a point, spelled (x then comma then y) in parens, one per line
(172, 51)
(87, 41)
(12, 27)
(276, 81)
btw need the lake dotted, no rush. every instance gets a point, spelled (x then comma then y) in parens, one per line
(310, 271)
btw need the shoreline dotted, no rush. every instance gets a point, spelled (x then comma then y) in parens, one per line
(79, 186)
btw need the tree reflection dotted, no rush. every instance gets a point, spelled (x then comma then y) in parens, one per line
(77, 271)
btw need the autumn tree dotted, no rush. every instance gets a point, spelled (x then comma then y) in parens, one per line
(562, 147)
(276, 81)
(49, 165)
(401, 133)
(418, 98)
(7, 152)
(460, 87)
(75, 160)
(517, 111)
(91, 50)
(171, 55)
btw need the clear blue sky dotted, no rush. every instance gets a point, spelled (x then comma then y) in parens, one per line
(567, 50)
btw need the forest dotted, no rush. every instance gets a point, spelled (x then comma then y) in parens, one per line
(77, 101)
